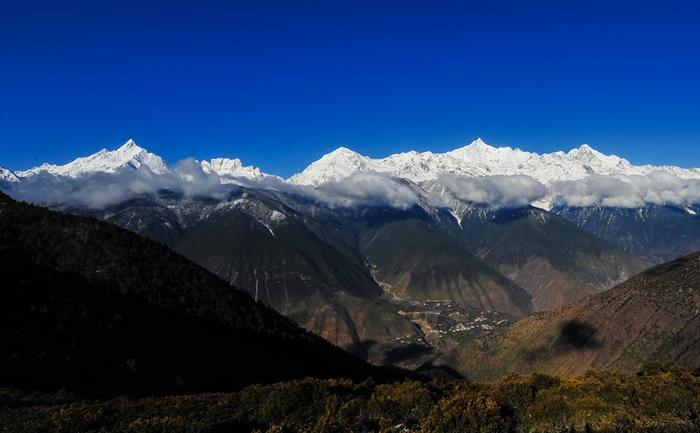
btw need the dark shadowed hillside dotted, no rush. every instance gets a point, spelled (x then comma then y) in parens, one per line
(88, 306)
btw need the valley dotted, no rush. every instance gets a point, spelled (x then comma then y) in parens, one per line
(357, 270)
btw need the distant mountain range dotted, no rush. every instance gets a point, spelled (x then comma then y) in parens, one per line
(132, 156)
(352, 247)
(475, 159)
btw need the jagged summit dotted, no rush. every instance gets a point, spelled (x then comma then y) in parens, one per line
(478, 145)
(7, 175)
(336, 165)
(342, 150)
(130, 146)
(477, 149)
(129, 155)
(132, 156)
(232, 168)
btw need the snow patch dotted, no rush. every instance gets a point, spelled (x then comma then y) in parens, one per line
(456, 217)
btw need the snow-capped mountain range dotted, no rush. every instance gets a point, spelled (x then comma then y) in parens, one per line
(474, 159)
(478, 172)
(480, 159)
(131, 156)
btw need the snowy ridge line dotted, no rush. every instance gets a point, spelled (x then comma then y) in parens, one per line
(131, 156)
(476, 173)
(476, 159)
(481, 159)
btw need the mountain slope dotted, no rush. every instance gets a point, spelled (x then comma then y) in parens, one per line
(92, 307)
(291, 269)
(255, 242)
(651, 317)
(414, 256)
(555, 261)
(414, 259)
(657, 233)
(312, 263)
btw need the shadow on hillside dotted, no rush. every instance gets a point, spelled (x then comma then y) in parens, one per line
(444, 372)
(573, 335)
(361, 348)
(576, 335)
(404, 353)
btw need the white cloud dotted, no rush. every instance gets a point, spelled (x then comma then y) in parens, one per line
(366, 189)
(656, 188)
(99, 190)
(495, 191)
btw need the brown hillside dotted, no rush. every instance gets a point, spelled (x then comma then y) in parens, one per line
(654, 316)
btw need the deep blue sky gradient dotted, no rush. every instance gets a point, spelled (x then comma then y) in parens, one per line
(280, 83)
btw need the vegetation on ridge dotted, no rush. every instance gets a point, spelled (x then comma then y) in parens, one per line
(657, 399)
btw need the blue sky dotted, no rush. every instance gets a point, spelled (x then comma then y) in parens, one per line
(280, 83)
